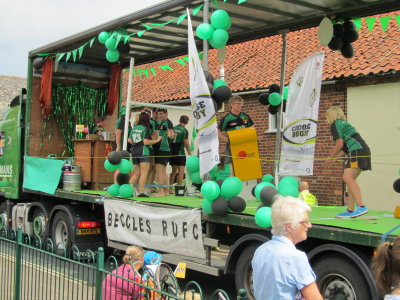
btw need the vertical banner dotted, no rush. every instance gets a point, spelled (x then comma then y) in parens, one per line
(203, 109)
(300, 131)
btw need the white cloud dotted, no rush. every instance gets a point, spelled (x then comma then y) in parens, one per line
(26, 25)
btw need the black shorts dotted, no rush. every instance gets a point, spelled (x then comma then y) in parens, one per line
(177, 160)
(359, 159)
(138, 160)
(161, 157)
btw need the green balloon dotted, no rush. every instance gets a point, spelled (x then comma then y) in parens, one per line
(218, 83)
(220, 36)
(231, 187)
(210, 190)
(113, 190)
(285, 92)
(289, 180)
(192, 163)
(263, 217)
(268, 178)
(195, 177)
(125, 166)
(204, 31)
(112, 55)
(215, 44)
(110, 167)
(288, 190)
(103, 37)
(206, 205)
(220, 19)
(111, 43)
(229, 25)
(213, 172)
(274, 99)
(259, 187)
(126, 190)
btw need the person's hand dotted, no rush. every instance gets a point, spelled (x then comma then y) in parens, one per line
(159, 138)
(327, 163)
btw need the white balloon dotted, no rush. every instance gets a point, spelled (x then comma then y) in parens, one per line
(325, 31)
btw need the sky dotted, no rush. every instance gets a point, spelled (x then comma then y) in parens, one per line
(26, 25)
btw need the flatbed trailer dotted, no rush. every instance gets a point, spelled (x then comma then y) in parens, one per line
(339, 250)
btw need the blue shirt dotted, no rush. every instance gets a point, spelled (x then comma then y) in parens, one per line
(280, 270)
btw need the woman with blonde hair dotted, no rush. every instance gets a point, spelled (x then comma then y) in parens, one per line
(116, 288)
(349, 141)
(386, 269)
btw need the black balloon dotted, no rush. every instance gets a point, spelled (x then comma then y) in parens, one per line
(124, 48)
(220, 206)
(349, 24)
(114, 157)
(267, 195)
(396, 185)
(217, 105)
(263, 99)
(336, 43)
(122, 178)
(274, 88)
(273, 109)
(237, 204)
(347, 50)
(261, 205)
(350, 36)
(222, 93)
(338, 30)
(38, 63)
(125, 154)
(210, 81)
(253, 191)
(220, 181)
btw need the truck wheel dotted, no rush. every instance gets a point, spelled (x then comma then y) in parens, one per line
(4, 225)
(244, 271)
(61, 230)
(39, 224)
(339, 278)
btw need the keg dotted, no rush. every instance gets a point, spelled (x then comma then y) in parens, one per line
(72, 178)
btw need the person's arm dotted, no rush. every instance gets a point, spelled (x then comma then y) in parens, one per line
(149, 142)
(311, 292)
(223, 136)
(118, 135)
(187, 146)
(339, 143)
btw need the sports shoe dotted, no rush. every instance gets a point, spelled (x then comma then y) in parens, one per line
(345, 214)
(359, 212)
(143, 195)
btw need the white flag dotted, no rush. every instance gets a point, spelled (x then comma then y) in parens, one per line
(203, 109)
(300, 131)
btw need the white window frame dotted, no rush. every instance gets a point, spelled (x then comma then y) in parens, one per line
(272, 121)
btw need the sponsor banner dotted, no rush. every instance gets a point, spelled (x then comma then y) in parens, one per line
(169, 230)
(203, 109)
(245, 156)
(300, 127)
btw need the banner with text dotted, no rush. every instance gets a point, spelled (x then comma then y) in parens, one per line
(203, 109)
(169, 230)
(300, 131)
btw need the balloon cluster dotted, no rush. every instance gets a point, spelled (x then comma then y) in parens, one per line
(266, 192)
(274, 98)
(396, 184)
(193, 168)
(113, 43)
(344, 34)
(216, 32)
(120, 160)
(219, 90)
(222, 195)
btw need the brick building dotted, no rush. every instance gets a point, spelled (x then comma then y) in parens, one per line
(250, 67)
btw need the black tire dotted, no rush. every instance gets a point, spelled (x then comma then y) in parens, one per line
(244, 271)
(4, 217)
(61, 232)
(39, 221)
(339, 278)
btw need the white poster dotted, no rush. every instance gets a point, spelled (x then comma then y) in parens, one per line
(169, 230)
(300, 127)
(203, 109)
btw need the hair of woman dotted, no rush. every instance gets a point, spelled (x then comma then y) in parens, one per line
(144, 119)
(132, 254)
(334, 113)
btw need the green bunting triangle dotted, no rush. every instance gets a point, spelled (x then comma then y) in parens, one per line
(80, 50)
(241, 1)
(74, 52)
(197, 9)
(148, 27)
(92, 41)
(140, 33)
(60, 56)
(153, 71)
(146, 73)
(385, 22)
(216, 4)
(397, 19)
(68, 56)
(370, 23)
(181, 61)
(357, 22)
(181, 18)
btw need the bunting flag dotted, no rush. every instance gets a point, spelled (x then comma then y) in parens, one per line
(300, 131)
(203, 109)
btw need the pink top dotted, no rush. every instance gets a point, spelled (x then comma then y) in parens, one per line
(119, 289)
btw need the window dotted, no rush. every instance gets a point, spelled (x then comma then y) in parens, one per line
(273, 121)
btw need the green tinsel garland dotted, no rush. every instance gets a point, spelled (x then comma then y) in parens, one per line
(77, 104)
